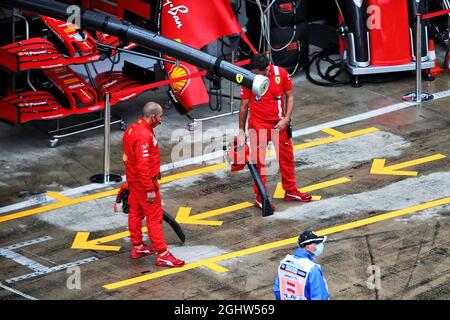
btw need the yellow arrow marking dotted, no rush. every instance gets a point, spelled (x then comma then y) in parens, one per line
(276, 244)
(81, 242)
(81, 239)
(378, 166)
(279, 192)
(336, 136)
(184, 216)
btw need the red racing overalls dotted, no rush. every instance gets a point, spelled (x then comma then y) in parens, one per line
(142, 161)
(265, 113)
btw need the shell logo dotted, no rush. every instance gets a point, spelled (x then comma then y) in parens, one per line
(177, 72)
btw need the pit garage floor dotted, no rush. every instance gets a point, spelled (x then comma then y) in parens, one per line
(388, 233)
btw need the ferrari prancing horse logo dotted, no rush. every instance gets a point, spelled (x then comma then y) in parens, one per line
(277, 80)
(239, 78)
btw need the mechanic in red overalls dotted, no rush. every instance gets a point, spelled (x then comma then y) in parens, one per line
(269, 121)
(142, 162)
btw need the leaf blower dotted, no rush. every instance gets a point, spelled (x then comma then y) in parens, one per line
(239, 157)
(122, 197)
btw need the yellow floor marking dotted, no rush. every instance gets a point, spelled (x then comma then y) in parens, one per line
(279, 192)
(186, 174)
(81, 241)
(333, 132)
(58, 196)
(57, 205)
(334, 138)
(184, 213)
(104, 194)
(378, 166)
(194, 172)
(216, 267)
(385, 216)
(277, 244)
(184, 216)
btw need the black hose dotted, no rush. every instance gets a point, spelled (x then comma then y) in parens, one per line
(336, 68)
(324, 55)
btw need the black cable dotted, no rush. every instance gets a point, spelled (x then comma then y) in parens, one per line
(239, 7)
(113, 63)
(223, 42)
(95, 69)
(91, 79)
(336, 68)
(317, 59)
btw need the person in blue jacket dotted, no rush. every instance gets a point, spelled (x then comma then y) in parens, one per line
(299, 276)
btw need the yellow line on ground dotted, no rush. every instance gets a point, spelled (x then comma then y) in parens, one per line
(82, 241)
(184, 214)
(194, 172)
(385, 216)
(33, 211)
(277, 244)
(416, 162)
(61, 204)
(379, 166)
(104, 194)
(334, 138)
(216, 267)
(182, 175)
(326, 184)
(116, 236)
(58, 196)
(333, 132)
(279, 192)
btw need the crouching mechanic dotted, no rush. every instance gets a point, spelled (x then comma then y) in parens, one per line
(270, 121)
(142, 161)
(299, 276)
